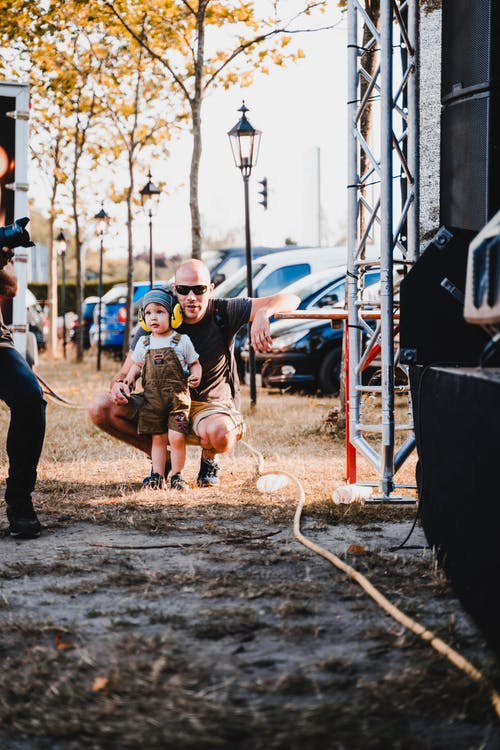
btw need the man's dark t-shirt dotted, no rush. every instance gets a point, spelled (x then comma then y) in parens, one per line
(213, 339)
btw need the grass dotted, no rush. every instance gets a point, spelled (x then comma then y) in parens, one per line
(92, 476)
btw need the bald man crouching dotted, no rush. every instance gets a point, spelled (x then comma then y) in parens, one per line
(211, 324)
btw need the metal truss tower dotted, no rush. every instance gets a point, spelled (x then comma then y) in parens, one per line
(383, 218)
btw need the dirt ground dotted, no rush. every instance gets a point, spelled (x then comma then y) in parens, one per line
(199, 621)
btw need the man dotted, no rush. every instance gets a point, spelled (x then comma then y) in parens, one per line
(20, 390)
(211, 324)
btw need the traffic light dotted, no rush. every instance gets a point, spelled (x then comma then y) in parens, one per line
(263, 192)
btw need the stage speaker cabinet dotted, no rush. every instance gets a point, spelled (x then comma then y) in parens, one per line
(470, 154)
(457, 434)
(432, 325)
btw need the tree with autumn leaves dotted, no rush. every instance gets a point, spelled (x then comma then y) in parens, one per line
(117, 56)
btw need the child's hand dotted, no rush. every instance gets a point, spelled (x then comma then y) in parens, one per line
(193, 381)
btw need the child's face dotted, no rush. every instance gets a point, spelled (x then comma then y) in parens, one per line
(157, 318)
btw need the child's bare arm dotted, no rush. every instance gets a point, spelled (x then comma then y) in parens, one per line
(194, 374)
(132, 376)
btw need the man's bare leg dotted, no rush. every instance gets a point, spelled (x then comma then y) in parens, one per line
(110, 418)
(217, 435)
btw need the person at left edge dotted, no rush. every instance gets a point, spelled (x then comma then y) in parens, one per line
(20, 391)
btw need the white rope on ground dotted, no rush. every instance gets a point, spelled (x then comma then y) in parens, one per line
(426, 635)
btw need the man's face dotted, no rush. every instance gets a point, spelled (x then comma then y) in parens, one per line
(193, 289)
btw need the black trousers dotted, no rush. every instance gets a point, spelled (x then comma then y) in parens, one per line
(21, 392)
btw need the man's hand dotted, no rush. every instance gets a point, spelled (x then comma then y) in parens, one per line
(6, 254)
(261, 332)
(120, 393)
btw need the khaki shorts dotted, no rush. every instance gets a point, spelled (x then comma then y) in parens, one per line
(199, 410)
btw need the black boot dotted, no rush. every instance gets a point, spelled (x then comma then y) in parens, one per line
(23, 520)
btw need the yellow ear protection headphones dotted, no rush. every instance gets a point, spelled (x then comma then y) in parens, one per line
(175, 317)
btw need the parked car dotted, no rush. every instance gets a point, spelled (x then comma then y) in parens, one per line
(114, 315)
(273, 272)
(37, 319)
(307, 354)
(88, 307)
(225, 262)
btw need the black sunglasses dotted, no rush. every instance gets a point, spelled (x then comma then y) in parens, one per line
(184, 290)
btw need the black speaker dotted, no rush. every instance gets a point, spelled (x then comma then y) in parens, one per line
(457, 435)
(432, 325)
(470, 125)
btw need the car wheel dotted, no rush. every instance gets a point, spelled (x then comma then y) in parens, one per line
(329, 373)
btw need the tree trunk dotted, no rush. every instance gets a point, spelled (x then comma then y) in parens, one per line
(130, 258)
(52, 292)
(196, 103)
(78, 252)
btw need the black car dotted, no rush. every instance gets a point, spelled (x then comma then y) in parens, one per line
(307, 354)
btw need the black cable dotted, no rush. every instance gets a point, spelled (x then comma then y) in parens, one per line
(489, 351)
(403, 543)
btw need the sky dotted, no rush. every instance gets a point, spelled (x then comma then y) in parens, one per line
(301, 111)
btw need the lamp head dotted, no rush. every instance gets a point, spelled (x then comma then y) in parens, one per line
(245, 142)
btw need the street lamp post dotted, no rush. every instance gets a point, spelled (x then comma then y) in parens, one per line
(245, 141)
(150, 196)
(61, 251)
(102, 219)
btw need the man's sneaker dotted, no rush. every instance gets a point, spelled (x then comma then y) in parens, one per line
(23, 521)
(168, 468)
(209, 472)
(153, 482)
(178, 483)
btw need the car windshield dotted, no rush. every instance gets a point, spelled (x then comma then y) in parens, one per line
(238, 281)
(308, 285)
(116, 295)
(212, 257)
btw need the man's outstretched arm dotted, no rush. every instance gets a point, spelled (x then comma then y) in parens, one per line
(263, 309)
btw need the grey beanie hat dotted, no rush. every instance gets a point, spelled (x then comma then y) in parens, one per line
(161, 296)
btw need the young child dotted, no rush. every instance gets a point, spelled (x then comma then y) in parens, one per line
(168, 365)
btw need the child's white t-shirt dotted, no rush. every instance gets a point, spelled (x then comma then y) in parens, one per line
(183, 348)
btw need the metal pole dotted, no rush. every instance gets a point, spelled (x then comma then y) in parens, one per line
(151, 260)
(353, 338)
(99, 307)
(386, 249)
(413, 129)
(248, 258)
(63, 300)
(318, 188)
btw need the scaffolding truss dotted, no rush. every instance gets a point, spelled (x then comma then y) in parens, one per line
(383, 220)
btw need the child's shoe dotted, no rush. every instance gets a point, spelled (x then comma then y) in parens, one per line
(154, 482)
(178, 483)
